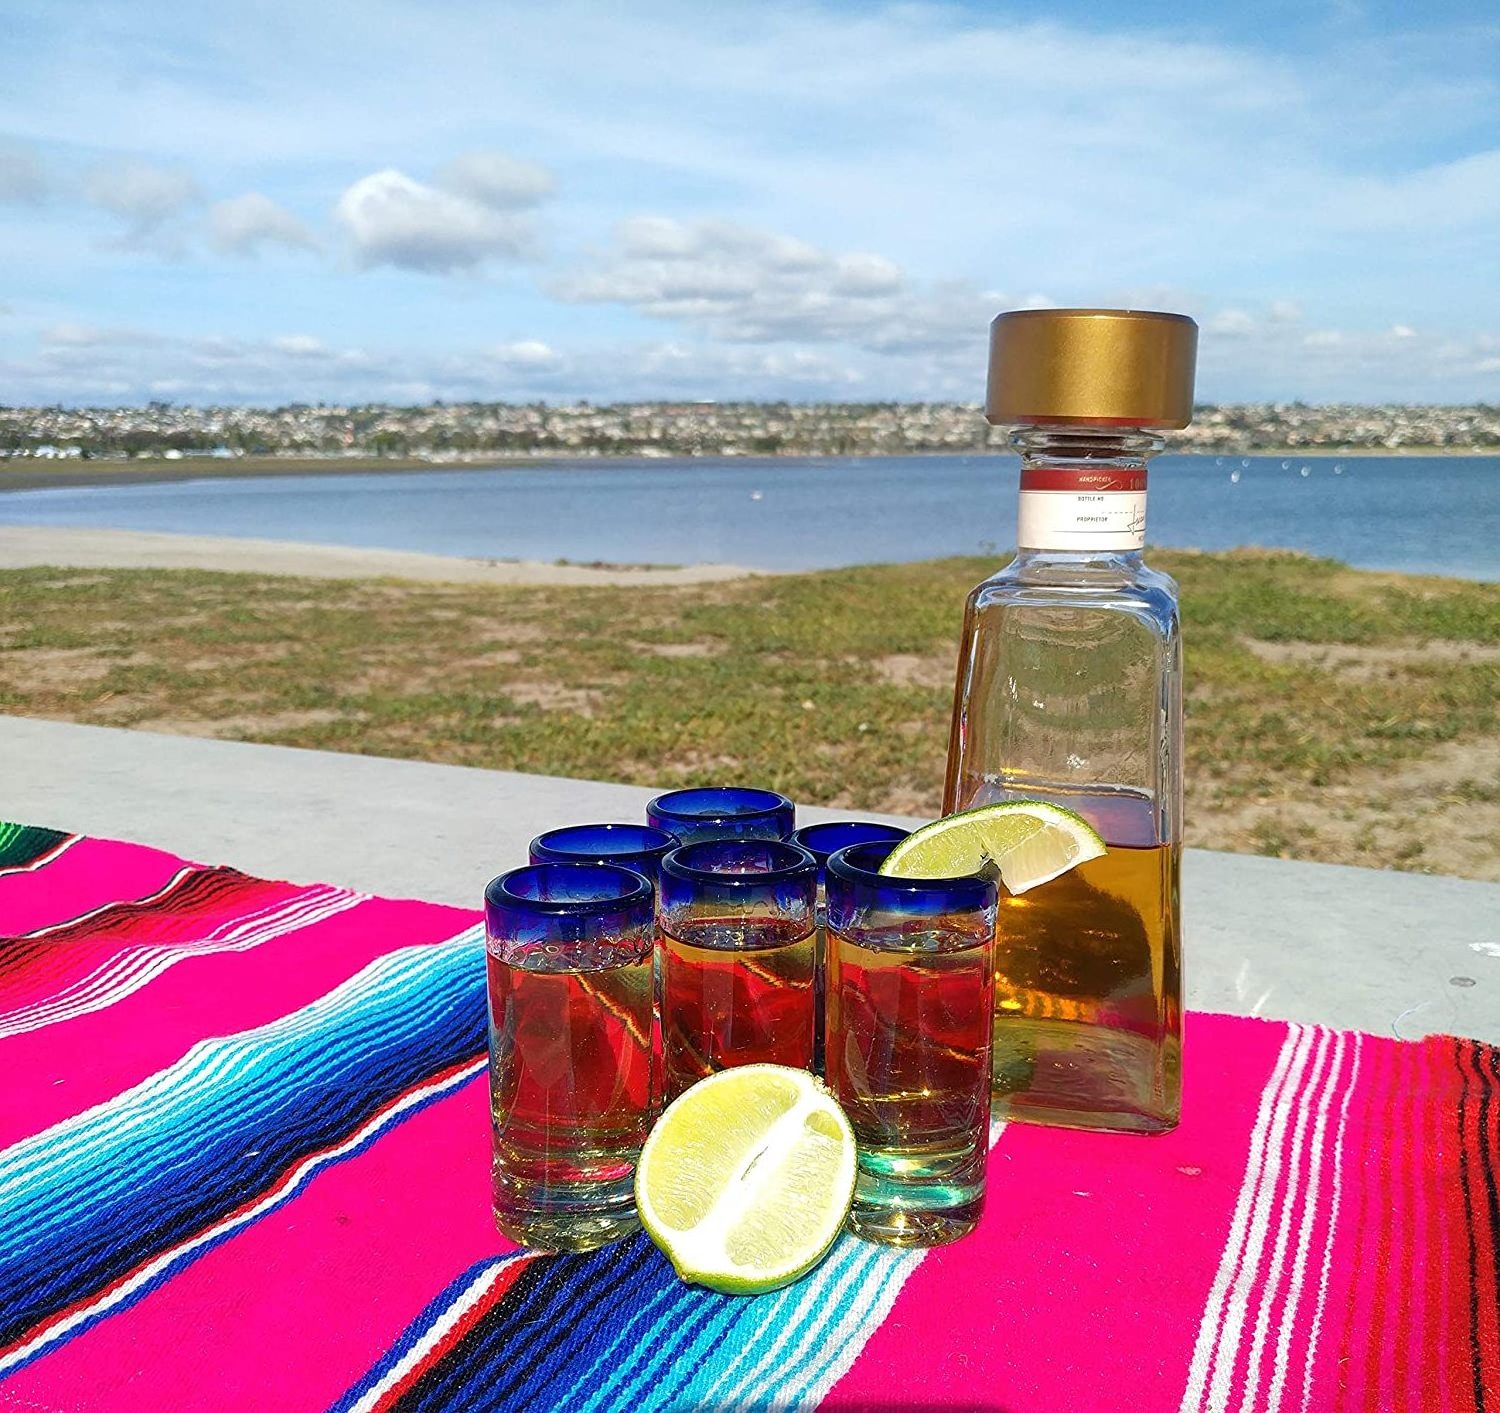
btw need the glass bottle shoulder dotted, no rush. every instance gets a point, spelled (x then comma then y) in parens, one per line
(1123, 585)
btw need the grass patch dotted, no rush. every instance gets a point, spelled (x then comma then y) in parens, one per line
(1321, 699)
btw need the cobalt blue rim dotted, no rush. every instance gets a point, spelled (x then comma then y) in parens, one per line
(824, 840)
(602, 843)
(713, 864)
(719, 804)
(855, 870)
(595, 888)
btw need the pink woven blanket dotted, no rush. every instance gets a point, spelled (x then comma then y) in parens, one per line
(243, 1164)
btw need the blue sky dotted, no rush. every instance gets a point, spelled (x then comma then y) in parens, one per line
(329, 200)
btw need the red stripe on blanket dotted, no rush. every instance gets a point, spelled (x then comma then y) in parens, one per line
(88, 874)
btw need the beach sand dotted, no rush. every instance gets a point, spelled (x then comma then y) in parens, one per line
(30, 546)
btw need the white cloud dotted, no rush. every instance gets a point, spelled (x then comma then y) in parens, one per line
(745, 285)
(1272, 359)
(709, 371)
(246, 225)
(22, 181)
(83, 365)
(70, 335)
(526, 353)
(132, 364)
(861, 275)
(299, 346)
(655, 237)
(1230, 323)
(392, 219)
(143, 195)
(493, 179)
(1460, 194)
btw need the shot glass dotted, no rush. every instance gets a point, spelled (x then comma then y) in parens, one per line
(571, 1091)
(722, 812)
(634, 846)
(736, 918)
(821, 840)
(910, 987)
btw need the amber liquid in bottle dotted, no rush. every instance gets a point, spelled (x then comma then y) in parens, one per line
(1087, 1030)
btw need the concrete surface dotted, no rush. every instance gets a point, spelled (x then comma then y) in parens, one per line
(1390, 953)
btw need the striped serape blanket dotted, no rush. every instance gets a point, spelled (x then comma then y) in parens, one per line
(244, 1157)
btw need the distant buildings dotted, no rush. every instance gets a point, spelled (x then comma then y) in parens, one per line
(477, 430)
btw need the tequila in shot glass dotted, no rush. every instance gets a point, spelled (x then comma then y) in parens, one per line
(910, 987)
(633, 846)
(736, 919)
(821, 840)
(571, 1091)
(722, 812)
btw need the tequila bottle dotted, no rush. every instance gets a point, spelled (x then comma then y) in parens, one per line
(1070, 690)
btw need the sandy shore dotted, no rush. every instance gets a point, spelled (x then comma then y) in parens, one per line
(29, 546)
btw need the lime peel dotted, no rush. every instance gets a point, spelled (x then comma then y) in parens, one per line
(1030, 842)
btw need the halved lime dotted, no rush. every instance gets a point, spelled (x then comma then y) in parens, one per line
(746, 1179)
(1030, 842)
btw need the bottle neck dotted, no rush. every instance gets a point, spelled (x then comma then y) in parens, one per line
(1083, 493)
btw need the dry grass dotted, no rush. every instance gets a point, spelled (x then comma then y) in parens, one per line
(1332, 714)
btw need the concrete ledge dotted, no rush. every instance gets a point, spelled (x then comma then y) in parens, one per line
(1390, 953)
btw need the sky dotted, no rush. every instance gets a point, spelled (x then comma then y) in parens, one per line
(404, 200)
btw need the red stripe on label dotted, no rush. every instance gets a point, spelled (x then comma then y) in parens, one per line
(1058, 478)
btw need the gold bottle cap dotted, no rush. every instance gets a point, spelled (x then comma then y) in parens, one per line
(1112, 367)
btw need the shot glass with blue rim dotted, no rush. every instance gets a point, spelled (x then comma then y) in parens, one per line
(722, 812)
(572, 1096)
(636, 846)
(821, 840)
(910, 991)
(736, 919)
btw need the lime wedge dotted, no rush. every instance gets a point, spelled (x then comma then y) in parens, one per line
(1028, 841)
(747, 1177)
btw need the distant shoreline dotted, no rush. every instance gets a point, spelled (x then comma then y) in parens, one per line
(28, 474)
(158, 471)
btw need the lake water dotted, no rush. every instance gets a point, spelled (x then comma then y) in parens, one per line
(1417, 514)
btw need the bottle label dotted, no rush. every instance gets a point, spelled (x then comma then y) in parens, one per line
(1063, 508)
